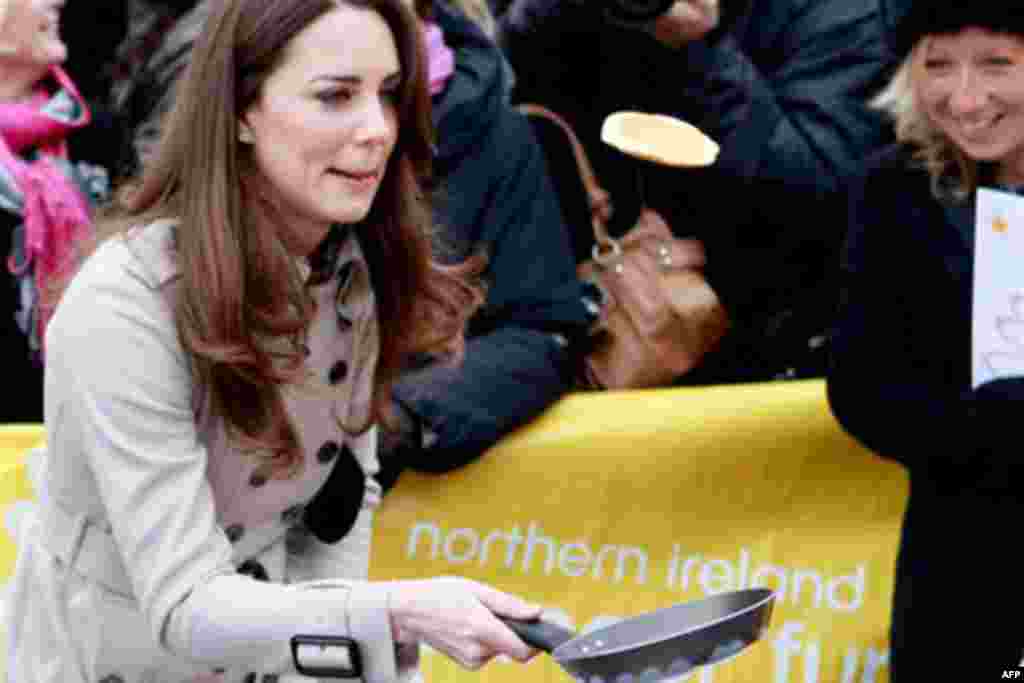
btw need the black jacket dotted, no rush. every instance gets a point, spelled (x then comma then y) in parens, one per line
(781, 85)
(899, 381)
(23, 375)
(495, 195)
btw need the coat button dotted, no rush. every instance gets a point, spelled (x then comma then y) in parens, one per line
(249, 678)
(254, 569)
(257, 480)
(293, 514)
(338, 373)
(328, 452)
(235, 532)
(112, 678)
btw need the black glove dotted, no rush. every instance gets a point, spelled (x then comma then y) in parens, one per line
(395, 447)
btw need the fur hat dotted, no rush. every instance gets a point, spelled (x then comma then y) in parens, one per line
(910, 20)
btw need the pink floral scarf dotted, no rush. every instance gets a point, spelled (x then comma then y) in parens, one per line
(52, 196)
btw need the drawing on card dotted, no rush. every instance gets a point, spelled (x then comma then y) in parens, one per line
(997, 335)
(1008, 360)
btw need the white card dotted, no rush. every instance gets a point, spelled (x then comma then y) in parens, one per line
(997, 332)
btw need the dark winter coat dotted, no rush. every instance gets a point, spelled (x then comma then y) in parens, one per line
(899, 381)
(494, 195)
(23, 375)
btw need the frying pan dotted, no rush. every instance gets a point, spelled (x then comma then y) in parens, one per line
(657, 645)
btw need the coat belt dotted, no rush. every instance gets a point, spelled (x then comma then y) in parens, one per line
(88, 547)
(85, 546)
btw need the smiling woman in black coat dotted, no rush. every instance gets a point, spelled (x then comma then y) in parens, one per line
(900, 373)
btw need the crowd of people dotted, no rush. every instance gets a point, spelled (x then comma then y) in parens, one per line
(264, 255)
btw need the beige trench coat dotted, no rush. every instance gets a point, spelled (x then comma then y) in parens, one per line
(129, 573)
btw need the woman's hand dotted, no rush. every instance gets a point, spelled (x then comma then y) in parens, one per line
(456, 616)
(686, 21)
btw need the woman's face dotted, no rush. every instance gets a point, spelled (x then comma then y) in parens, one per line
(326, 122)
(30, 32)
(971, 86)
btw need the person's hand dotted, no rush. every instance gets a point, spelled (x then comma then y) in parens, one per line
(686, 21)
(456, 616)
(687, 253)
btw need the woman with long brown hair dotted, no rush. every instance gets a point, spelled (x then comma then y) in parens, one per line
(219, 360)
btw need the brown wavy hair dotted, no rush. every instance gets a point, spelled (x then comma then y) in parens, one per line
(240, 292)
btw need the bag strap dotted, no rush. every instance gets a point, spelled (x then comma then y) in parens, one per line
(598, 198)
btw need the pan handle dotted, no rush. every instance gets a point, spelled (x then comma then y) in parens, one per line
(542, 635)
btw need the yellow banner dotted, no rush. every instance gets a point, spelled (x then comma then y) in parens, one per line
(15, 441)
(611, 505)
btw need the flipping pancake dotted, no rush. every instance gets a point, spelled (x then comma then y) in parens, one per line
(658, 138)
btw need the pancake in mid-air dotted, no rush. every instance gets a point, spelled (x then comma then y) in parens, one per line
(659, 138)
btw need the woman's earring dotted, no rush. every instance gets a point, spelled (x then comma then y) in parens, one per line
(245, 135)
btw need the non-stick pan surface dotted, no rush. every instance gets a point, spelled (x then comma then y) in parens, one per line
(657, 645)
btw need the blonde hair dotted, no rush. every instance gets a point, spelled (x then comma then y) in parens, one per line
(953, 174)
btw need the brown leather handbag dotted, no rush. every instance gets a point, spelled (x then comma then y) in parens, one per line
(658, 315)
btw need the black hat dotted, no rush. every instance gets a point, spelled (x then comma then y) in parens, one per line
(910, 20)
